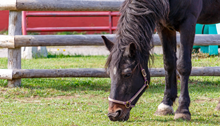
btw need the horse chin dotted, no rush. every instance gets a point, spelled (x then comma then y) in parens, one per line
(124, 117)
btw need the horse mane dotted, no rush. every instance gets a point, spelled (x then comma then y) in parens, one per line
(136, 24)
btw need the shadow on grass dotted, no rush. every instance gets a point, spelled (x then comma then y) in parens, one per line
(68, 84)
(65, 56)
(61, 55)
(171, 121)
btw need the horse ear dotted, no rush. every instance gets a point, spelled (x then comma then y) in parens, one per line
(130, 50)
(108, 43)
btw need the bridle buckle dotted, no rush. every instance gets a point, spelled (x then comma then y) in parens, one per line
(127, 104)
(143, 73)
(147, 85)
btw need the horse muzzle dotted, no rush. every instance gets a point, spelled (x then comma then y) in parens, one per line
(119, 115)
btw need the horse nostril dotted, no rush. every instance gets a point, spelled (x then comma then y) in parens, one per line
(115, 114)
(119, 112)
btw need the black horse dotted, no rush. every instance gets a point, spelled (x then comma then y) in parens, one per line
(129, 55)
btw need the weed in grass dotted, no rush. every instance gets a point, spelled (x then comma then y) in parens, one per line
(200, 55)
(4, 32)
(33, 33)
(70, 33)
(61, 55)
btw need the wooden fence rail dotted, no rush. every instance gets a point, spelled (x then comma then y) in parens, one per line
(84, 40)
(11, 74)
(61, 5)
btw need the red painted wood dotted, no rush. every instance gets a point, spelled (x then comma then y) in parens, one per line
(4, 20)
(62, 29)
(24, 26)
(33, 22)
(70, 14)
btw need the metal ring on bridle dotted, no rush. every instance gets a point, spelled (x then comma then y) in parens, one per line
(128, 104)
(146, 82)
(147, 86)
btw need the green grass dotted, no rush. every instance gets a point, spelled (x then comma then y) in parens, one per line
(83, 101)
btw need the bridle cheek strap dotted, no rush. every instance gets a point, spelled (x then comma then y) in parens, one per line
(128, 103)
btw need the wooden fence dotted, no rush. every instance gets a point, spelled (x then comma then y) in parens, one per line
(14, 41)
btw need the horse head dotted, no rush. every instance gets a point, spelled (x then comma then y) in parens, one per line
(129, 79)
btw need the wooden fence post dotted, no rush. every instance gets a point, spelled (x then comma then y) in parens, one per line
(14, 55)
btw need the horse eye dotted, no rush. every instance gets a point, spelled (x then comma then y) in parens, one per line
(127, 75)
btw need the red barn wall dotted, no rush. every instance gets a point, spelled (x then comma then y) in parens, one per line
(4, 20)
(59, 21)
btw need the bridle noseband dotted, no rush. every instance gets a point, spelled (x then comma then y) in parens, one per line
(128, 104)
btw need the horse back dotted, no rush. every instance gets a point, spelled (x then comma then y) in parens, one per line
(205, 11)
(210, 13)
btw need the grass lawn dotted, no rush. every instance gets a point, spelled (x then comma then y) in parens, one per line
(83, 101)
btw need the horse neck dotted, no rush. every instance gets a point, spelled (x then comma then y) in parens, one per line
(138, 19)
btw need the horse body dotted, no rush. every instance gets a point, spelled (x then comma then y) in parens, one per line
(210, 13)
(130, 53)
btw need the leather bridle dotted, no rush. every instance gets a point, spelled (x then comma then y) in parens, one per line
(128, 104)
